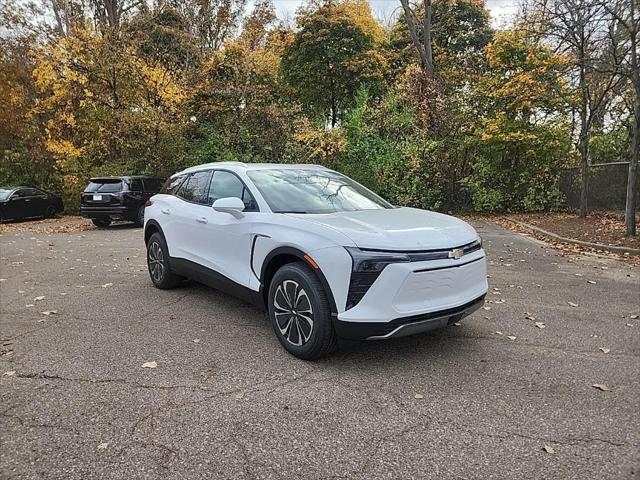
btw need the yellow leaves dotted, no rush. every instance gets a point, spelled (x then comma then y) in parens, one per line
(63, 148)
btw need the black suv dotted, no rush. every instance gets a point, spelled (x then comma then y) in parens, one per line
(118, 198)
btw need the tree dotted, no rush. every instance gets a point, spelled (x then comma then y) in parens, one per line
(580, 28)
(330, 58)
(521, 139)
(625, 36)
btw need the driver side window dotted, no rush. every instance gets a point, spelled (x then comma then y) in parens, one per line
(226, 184)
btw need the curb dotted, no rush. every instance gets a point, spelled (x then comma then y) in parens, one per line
(599, 246)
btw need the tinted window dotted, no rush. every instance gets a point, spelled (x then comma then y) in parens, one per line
(20, 194)
(172, 185)
(152, 184)
(135, 185)
(313, 191)
(226, 184)
(31, 192)
(195, 188)
(104, 186)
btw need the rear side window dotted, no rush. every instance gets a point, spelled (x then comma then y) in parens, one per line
(104, 186)
(152, 184)
(135, 185)
(196, 187)
(226, 184)
(172, 185)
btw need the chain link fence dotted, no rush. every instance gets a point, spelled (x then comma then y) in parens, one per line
(607, 186)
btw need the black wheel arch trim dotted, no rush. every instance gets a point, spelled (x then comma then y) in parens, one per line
(299, 254)
(156, 225)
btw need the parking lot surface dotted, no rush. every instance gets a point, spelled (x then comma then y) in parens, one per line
(507, 394)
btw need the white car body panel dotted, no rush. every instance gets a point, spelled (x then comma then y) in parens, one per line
(237, 248)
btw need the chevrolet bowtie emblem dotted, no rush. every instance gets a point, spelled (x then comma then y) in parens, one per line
(456, 253)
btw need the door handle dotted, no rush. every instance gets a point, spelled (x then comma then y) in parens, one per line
(166, 211)
(201, 220)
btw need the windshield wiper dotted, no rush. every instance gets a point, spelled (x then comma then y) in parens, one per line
(290, 211)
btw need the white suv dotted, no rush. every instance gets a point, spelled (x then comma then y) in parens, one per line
(325, 256)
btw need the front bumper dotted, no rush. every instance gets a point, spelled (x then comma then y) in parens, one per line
(415, 297)
(403, 327)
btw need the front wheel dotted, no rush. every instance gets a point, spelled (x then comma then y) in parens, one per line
(300, 313)
(158, 263)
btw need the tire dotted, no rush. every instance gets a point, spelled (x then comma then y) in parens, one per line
(101, 222)
(139, 221)
(308, 333)
(51, 211)
(158, 264)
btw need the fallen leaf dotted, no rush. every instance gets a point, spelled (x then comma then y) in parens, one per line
(592, 282)
(457, 324)
(29, 305)
(418, 396)
(600, 386)
(49, 312)
(540, 325)
(605, 349)
(573, 304)
(629, 324)
(10, 373)
(499, 333)
(511, 337)
(102, 446)
(149, 365)
(633, 317)
(196, 340)
(487, 308)
(107, 285)
(37, 299)
(238, 395)
(549, 449)
(578, 274)
(530, 317)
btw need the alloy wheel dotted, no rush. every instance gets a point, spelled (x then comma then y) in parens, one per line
(293, 312)
(155, 260)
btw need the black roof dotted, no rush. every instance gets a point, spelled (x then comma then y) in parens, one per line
(123, 177)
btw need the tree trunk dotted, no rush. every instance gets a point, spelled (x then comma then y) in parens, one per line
(583, 141)
(632, 194)
(426, 34)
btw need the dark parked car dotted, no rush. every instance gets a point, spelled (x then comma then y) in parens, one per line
(17, 203)
(118, 198)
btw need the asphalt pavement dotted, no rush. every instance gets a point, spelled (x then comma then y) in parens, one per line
(508, 394)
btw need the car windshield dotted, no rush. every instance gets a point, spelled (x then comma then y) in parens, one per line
(299, 190)
(104, 185)
(5, 193)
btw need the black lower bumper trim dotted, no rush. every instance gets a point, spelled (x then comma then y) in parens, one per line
(405, 325)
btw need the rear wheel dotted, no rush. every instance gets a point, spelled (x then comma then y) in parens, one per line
(51, 211)
(101, 222)
(300, 313)
(158, 263)
(140, 217)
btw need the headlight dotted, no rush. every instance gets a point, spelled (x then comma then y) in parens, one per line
(367, 266)
(370, 261)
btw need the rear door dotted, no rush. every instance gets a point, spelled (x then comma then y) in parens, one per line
(36, 202)
(186, 216)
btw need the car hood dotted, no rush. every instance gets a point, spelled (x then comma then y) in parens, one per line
(398, 228)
